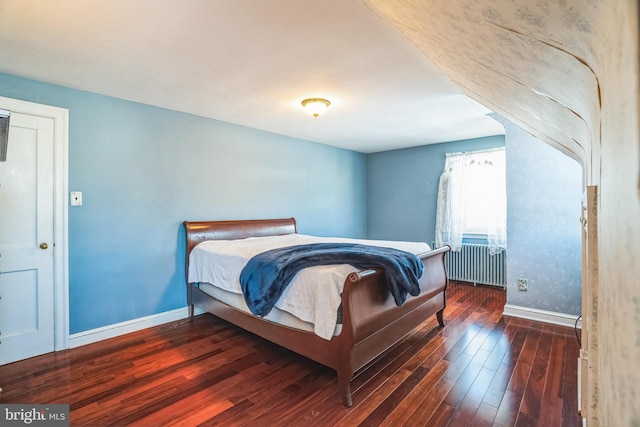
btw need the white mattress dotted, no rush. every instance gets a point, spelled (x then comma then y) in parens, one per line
(314, 294)
(276, 315)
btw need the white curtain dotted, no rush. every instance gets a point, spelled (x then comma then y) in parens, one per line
(461, 171)
(449, 226)
(497, 201)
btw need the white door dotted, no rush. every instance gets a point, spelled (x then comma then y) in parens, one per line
(26, 239)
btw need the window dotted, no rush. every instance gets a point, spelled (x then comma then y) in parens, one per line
(484, 190)
(472, 199)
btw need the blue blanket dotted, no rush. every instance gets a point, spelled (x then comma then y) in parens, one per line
(266, 275)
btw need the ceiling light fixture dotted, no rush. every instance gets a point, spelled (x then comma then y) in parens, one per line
(315, 106)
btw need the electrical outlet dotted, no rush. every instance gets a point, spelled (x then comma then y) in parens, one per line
(76, 198)
(523, 285)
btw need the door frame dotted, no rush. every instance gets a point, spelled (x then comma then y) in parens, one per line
(60, 117)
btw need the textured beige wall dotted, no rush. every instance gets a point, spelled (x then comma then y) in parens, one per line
(619, 220)
(567, 72)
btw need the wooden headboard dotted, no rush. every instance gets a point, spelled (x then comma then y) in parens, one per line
(200, 231)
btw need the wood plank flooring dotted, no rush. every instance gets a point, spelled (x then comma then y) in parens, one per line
(482, 369)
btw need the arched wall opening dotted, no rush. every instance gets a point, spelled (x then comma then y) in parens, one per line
(568, 73)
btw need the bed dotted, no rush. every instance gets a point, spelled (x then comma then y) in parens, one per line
(370, 321)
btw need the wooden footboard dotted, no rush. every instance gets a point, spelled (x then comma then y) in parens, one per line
(371, 322)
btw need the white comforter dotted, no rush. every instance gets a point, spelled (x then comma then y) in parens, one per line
(314, 294)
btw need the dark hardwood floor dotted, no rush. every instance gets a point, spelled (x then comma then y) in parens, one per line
(482, 369)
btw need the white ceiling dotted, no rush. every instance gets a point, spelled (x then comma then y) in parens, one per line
(247, 62)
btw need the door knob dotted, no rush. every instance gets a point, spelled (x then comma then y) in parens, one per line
(43, 246)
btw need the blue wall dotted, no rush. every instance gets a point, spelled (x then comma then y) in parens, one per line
(544, 190)
(544, 193)
(143, 170)
(402, 188)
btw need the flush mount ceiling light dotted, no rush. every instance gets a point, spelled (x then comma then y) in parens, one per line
(315, 106)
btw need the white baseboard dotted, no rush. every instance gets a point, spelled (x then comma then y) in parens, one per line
(545, 316)
(117, 329)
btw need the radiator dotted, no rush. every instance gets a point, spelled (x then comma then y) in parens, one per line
(474, 264)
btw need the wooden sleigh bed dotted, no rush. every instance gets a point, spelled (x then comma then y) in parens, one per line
(371, 321)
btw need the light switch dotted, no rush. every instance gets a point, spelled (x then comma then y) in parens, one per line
(76, 198)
